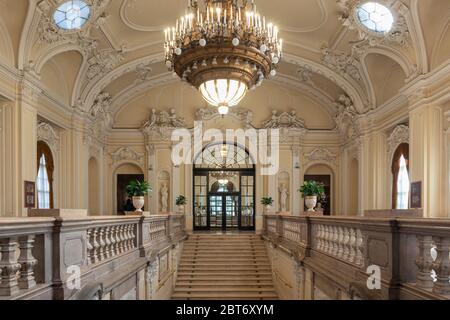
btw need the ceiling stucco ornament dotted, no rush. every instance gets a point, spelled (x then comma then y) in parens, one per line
(143, 72)
(346, 117)
(399, 136)
(49, 32)
(284, 120)
(47, 134)
(100, 110)
(103, 62)
(399, 34)
(321, 154)
(99, 121)
(127, 154)
(305, 74)
(161, 124)
(243, 115)
(346, 64)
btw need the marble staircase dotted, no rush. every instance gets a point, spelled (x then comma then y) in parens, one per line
(224, 267)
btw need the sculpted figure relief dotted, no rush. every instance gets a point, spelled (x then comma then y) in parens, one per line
(164, 198)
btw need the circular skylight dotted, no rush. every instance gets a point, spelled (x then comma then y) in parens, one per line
(72, 15)
(375, 17)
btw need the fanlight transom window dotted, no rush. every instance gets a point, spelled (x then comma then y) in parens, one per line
(224, 156)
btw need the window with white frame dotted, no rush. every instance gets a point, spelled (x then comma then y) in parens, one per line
(43, 185)
(403, 185)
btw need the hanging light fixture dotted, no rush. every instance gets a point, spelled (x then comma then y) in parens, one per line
(223, 48)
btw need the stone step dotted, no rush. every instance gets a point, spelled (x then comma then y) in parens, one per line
(223, 283)
(223, 261)
(212, 289)
(230, 274)
(226, 263)
(225, 296)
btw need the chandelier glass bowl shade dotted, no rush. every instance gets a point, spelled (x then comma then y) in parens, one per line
(375, 17)
(223, 48)
(223, 177)
(72, 15)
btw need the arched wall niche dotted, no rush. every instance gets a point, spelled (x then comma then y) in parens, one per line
(163, 190)
(324, 169)
(127, 167)
(284, 185)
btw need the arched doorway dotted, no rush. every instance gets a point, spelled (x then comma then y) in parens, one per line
(323, 174)
(123, 175)
(224, 188)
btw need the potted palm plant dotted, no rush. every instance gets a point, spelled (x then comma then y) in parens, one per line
(311, 191)
(181, 202)
(138, 190)
(267, 202)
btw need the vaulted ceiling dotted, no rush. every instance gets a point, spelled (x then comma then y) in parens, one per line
(120, 51)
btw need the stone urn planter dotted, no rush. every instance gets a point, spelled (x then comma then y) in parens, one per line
(181, 209)
(311, 203)
(268, 209)
(138, 203)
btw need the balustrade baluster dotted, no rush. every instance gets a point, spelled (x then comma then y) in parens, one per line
(340, 252)
(132, 236)
(9, 266)
(108, 251)
(335, 241)
(27, 262)
(114, 240)
(424, 262)
(359, 258)
(352, 246)
(346, 244)
(96, 245)
(122, 239)
(442, 266)
(101, 238)
(89, 246)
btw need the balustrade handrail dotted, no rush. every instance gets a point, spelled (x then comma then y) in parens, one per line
(412, 252)
(47, 245)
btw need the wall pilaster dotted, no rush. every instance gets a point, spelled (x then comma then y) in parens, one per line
(426, 156)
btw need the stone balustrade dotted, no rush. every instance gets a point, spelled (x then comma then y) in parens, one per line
(412, 254)
(39, 256)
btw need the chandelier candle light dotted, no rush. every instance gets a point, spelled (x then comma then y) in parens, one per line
(223, 48)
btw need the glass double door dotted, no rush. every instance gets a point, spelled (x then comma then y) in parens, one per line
(224, 211)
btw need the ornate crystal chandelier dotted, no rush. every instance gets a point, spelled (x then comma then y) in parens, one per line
(223, 48)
